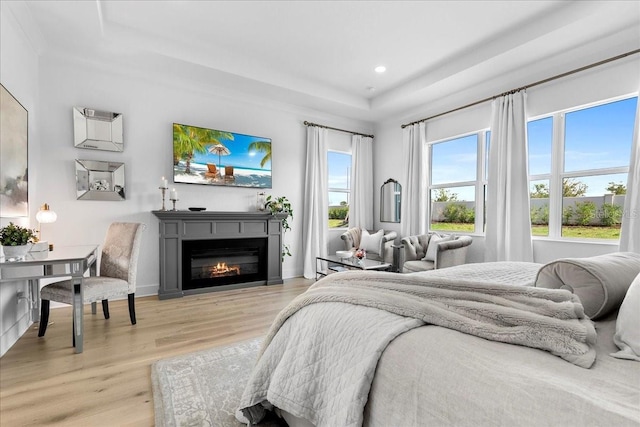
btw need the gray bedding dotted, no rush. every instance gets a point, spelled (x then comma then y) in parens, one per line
(433, 376)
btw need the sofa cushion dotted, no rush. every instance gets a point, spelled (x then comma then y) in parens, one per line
(430, 255)
(371, 242)
(627, 336)
(601, 282)
(417, 266)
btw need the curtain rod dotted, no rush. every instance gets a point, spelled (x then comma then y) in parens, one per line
(306, 123)
(577, 70)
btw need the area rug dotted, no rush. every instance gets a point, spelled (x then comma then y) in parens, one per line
(203, 388)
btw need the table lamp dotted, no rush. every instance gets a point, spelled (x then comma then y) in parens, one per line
(44, 216)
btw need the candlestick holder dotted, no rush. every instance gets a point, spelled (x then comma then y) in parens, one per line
(174, 204)
(164, 190)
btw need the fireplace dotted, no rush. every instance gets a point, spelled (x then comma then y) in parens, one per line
(208, 263)
(194, 243)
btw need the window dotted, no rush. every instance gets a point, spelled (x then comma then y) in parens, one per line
(454, 183)
(578, 172)
(339, 175)
(578, 166)
(540, 141)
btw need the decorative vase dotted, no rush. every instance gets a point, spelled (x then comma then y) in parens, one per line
(15, 252)
(261, 201)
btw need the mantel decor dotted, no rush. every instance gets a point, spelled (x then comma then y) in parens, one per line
(281, 205)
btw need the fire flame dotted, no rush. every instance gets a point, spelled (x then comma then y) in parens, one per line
(222, 268)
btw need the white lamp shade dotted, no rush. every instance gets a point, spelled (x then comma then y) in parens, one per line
(46, 216)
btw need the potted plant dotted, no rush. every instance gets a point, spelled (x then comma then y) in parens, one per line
(16, 241)
(281, 205)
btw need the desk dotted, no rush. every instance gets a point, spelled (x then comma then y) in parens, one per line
(342, 264)
(63, 261)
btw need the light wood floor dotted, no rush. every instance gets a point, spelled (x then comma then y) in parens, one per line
(42, 382)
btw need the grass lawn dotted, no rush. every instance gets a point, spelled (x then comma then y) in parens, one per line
(590, 232)
(575, 231)
(452, 226)
(337, 223)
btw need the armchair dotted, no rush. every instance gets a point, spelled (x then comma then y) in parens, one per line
(380, 252)
(418, 256)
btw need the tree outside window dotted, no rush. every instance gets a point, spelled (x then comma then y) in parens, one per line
(339, 184)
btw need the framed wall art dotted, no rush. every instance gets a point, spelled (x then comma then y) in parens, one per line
(14, 138)
(97, 130)
(97, 180)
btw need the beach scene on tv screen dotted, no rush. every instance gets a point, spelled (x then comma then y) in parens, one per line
(215, 157)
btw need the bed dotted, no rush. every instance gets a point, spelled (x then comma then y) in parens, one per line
(334, 363)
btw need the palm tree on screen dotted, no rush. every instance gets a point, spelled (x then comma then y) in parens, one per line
(189, 140)
(263, 147)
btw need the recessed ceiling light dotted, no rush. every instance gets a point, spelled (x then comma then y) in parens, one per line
(380, 69)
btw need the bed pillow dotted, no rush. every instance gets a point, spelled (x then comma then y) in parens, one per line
(601, 282)
(432, 248)
(627, 336)
(371, 242)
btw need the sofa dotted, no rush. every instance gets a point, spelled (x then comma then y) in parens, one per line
(378, 245)
(432, 251)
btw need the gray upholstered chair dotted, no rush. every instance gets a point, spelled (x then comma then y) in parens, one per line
(445, 253)
(384, 252)
(118, 268)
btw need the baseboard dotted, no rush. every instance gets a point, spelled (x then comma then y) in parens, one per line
(13, 334)
(147, 290)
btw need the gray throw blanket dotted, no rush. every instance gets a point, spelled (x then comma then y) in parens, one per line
(551, 320)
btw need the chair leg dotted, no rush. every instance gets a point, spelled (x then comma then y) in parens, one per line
(44, 317)
(105, 308)
(132, 308)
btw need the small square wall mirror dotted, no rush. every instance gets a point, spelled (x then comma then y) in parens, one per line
(97, 130)
(97, 180)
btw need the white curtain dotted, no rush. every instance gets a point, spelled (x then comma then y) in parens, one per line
(415, 154)
(630, 232)
(361, 203)
(508, 231)
(315, 216)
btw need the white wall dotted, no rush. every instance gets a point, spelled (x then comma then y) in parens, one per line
(149, 106)
(151, 97)
(607, 81)
(19, 75)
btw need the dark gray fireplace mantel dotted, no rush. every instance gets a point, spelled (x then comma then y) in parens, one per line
(178, 226)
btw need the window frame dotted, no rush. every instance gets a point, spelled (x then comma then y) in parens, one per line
(339, 190)
(479, 183)
(557, 175)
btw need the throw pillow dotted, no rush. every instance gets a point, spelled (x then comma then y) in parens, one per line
(432, 248)
(627, 336)
(601, 282)
(371, 242)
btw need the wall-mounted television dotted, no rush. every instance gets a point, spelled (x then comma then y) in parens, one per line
(217, 157)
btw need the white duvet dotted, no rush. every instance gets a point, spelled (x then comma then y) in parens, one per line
(320, 359)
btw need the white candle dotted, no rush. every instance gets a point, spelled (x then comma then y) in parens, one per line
(174, 194)
(165, 184)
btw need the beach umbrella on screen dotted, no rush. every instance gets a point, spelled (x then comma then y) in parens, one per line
(221, 150)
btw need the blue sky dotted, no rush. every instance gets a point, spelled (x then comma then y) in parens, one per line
(339, 165)
(596, 137)
(240, 155)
